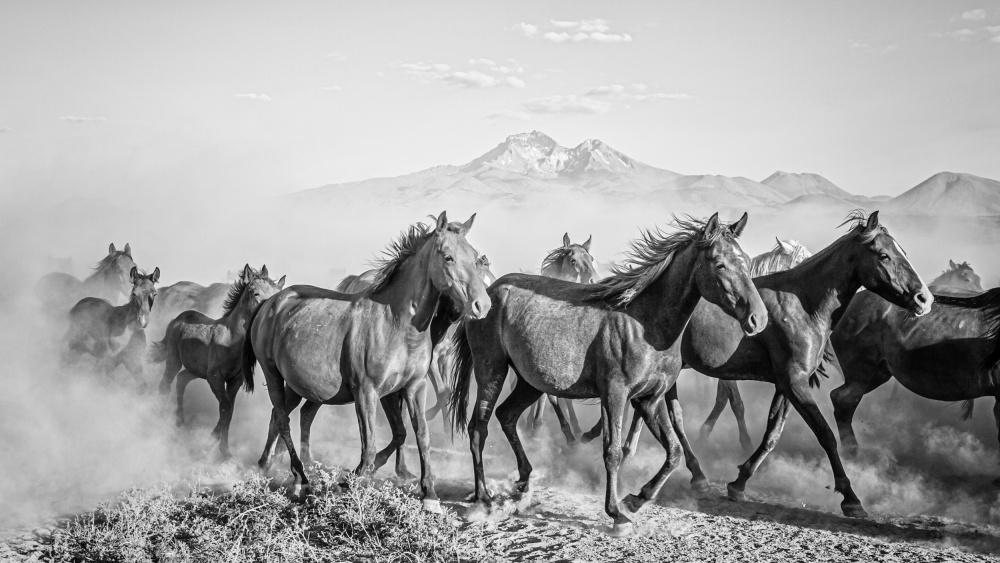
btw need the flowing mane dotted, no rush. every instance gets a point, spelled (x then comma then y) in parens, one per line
(988, 303)
(777, 260)
(554, 257)
(856, 221)
(405, 246)
(647, 259)
(104, 268)
(237, 289)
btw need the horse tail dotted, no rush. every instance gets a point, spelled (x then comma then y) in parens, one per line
(828, 356)
(461, 377)
(345, 284)
(249, 359)
(156, 352)
(967, 409)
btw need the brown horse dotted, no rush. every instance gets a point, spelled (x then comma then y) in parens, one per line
(618, 340)
(948, 355)
(58, 291)
(173, 300)
(333, 348)
(573, 263)
(98, 328)
(198, 346)
(803, 304)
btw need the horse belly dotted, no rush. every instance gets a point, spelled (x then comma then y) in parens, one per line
(948, 370)
(550, 352)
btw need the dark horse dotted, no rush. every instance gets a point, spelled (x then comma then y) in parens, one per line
(618, 340)
(98, 328)
(574, 263)
(211, 349)
(58, 291)
(803, 304)
(333, 348)
(949, 355)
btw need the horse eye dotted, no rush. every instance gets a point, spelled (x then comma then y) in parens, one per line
(720, 266)
(448, 258)
(883, 257)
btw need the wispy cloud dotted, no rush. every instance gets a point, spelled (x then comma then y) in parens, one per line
(254, 97)
(566, 105)
(974, 15)
(862, 47)
(6, 130)
(637, 92)
(484, 73)
(596, 101)
(336, 56)
(594, 30)
(79, 119)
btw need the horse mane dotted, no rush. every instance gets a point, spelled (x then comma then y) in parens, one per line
(102, 267)
(346, 283)
(237, 289)
(406, 245)
(776, 261)
(857, 218)
(649, 256)
(988, 303)
(554, 256)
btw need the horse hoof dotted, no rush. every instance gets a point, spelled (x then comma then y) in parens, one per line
(523, 502)
(735, 494)
(622, 530)
(633, 503)
(477, 512)
(700, 485)
(431, 505)
(854, 511)
(300, 492)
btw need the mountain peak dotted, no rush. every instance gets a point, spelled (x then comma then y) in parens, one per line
(536, 154)
(793, 185)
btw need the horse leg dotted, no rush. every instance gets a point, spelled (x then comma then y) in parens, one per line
(171, 365)
(291, 400)
(862, 375)
(415, 396)
(612, 413)
(183, 378)
(276, 390)
(364, 406)
(632, 441)
(306, 416)
(490, 374)
(218, 386)
(523, 396)
(574, 423)
(776, 418)
(563, 421)
(698, 480)
(736, 402)
(721, 398)
(996, 415)
(536, 414)
(226, 416)
(393, 407)
(655, 413)
(803, 401)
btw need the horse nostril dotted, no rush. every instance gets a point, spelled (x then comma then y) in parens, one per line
(921, 298)
(477, 309)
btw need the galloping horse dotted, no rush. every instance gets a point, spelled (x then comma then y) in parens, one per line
(198, 346)
(58, 291)
(803, 304)
(618, 339)
(574, 263)
(949, 355)
(97, 327)
(333, 348)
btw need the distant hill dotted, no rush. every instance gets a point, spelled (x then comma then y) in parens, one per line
(794, 185)
(948, 193)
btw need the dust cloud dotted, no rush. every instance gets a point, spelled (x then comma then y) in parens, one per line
(72, 438)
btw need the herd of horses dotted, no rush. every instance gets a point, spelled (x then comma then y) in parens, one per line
(433, 314)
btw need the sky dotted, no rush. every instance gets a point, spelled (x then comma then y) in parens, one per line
(118, 99)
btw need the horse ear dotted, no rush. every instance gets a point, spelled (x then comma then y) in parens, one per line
(586, 245)
(737, 227)
(263, 271)
(245, 274)
(132, 273)
(565, 240)
(872, 221)
(712, 226)
(128, 250)
(467, 225)
(111, 248)
(156, 275)
(281, 283)
(442, 221)
(785, 247)
(952, 264)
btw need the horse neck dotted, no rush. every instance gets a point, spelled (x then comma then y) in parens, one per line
(236, 319)
(121, 316)
(104, 280)
(667, 304)
(410, 295)
(826, 282)
(559, 271)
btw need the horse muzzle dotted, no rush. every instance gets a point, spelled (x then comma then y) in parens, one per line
(478, 309)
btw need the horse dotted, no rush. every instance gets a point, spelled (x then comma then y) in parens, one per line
(58, 291)
(959, 280)
(334, 348)
(617, 340)
(96, 326)
(199, 346)
(186, 296)
(569, 262)
(785, 254)
(949, 355)
(803, 303)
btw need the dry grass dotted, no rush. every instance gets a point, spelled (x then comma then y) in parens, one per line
(253, 522)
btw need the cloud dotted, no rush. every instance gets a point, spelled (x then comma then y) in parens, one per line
(332, 88)
(6, 130)
(862, 47)
(594, 30)
(637, 92)
(510, 114)
(974, 15)
(486, 74)
(606, 90)
(254, 97)
(336, 56)
(77, 119)
(566, 105)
